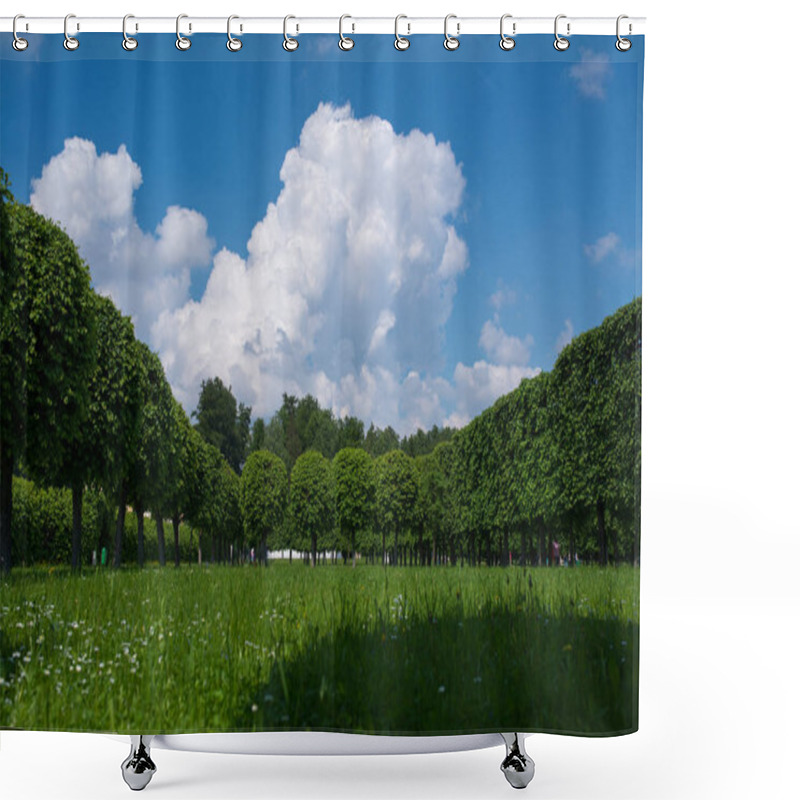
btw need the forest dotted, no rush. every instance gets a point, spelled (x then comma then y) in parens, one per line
(90, 434)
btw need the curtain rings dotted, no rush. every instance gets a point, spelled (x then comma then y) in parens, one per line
(128, 42)
(451, 42)
(345, 43)
(289, 43)
(622, 44)
(401, 42)
(181, 42)
(70, 42)
(507, 42)
(19, 43)
(233, 44)
(560, 42)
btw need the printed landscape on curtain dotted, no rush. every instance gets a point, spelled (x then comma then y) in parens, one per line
(321, 386)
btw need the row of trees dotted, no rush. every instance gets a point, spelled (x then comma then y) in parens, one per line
(300, 424)
(84, 404)
(552, 467)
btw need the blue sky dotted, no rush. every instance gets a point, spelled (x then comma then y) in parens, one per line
(531, 159)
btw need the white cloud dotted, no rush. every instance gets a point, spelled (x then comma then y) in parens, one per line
(602, 248)
(347, 286)
(565, 337)
(478, 386)
(348, 282)
(591, 74)
(503, 348)
(91, 196)
(504, 296)
(607, 246)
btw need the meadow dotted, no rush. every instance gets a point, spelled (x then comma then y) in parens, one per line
(290, 647)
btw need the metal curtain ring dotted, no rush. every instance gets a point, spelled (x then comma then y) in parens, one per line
(128, 42)
(181, 42)
(401, 42)
(19, 43)
(289, 44)
(451, 42)
(70, 42)
(560, 43)
(507, 42)
(233, 44)
(622, 44)
(345, 43)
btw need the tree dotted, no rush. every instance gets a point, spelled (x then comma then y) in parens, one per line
(221, 423)
(102, 452)
(109, 440)
(397, 490)
(154, 451)
(311, 506)
(377, 441)
(182, 472)
(258, 437)
(351, 433)
(432, 507)
(264, 494)
(47, 350)
(354, 482)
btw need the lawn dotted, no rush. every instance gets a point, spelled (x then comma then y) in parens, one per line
(289, 647)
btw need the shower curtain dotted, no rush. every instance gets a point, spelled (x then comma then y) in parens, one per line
(321, 382)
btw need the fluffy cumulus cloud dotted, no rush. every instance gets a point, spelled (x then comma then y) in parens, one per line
(347, 285)
(591, 74)
(91, 195)
(503, 348)
(344, 293)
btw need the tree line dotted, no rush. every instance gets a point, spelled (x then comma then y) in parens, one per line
(300, 424)
(85, 404)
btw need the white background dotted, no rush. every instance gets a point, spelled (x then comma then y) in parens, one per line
(720, 600)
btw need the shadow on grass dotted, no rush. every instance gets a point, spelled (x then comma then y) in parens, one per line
(505, 671)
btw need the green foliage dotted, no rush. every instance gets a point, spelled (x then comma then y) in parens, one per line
(423, 442)
(154, 466)
(264, 495)
(221, 423)
(377, 441)
(312, 507)
(47, 339)
(397, 483)
(354, 482)
(47, 351)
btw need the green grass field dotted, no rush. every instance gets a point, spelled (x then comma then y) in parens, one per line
(400, 650)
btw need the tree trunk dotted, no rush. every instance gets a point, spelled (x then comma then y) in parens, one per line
(571, 554)
(601, 531)
(120, 526)
(140, 536)
(6, 502)
(77, 523)
(313, 550)
(162, 557)
(541, 548)
(176, 526)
